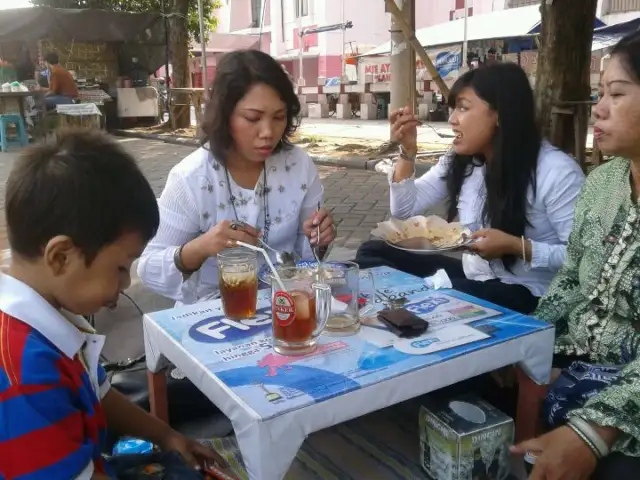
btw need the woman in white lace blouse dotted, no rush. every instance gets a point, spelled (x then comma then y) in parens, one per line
(246, 170)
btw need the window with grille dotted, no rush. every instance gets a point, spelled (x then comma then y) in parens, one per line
(302, 8)
(256, 13)
(620, 6)
(522, 3)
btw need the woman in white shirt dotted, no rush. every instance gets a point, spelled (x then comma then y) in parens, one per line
(246, 171)
(500, 179)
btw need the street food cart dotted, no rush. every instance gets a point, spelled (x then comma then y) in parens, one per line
(97, 46)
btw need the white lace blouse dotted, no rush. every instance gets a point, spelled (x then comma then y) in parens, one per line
(196, 197)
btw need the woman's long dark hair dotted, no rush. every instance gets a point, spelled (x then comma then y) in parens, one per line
(236, 73)
(516, 145)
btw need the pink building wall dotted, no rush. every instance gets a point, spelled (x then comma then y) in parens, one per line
(241, 16)
(323, 52)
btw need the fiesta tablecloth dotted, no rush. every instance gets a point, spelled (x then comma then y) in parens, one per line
(275, 401)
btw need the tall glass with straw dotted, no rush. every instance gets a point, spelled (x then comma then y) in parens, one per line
(300, 307)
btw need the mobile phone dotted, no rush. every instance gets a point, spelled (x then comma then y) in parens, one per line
(403, 323)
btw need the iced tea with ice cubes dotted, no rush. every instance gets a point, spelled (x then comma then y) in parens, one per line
(298, 324)
(300, 307)
(238, 283)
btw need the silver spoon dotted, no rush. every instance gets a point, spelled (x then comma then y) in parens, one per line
(393, 303)
(286, 259)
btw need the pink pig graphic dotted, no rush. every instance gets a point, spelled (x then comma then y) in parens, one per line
(273, 362)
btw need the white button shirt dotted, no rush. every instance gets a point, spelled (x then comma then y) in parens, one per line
(196, 198)
(550, 214)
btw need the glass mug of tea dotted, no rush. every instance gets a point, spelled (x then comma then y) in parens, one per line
(238, 282)
(299, 313)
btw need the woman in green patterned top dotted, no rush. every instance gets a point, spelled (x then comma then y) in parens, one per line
(594, 301)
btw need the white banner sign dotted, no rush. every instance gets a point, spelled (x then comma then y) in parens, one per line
(378, 69)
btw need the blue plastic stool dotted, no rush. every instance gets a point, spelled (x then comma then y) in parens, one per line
(22, 131)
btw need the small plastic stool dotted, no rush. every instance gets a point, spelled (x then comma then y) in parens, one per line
(16, 120)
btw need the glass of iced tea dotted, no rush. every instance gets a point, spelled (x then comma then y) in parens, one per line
(300, 313)
(238, 282)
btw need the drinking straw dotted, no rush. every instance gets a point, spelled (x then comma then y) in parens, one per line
(266, 257)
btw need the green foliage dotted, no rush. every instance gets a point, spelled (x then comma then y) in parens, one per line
(208, 7)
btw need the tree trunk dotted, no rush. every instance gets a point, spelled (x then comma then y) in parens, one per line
(403, 60)
(564, 61)
(179, 56)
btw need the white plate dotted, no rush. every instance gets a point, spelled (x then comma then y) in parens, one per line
(422, 246)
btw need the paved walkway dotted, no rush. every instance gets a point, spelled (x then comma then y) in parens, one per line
(435, 135)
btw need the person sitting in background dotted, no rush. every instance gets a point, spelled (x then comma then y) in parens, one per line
(594, 302)
(492, 57)
(500, 179)
(62, 86)
(246, 171)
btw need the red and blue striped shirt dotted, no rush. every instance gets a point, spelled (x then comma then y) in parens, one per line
(52, 425)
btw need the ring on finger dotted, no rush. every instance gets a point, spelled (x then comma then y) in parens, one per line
(236, 225)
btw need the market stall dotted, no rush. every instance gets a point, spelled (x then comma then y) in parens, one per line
(97, 47)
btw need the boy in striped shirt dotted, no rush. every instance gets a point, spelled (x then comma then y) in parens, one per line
(79, 211)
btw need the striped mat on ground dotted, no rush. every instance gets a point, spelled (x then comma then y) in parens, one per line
(383, 445)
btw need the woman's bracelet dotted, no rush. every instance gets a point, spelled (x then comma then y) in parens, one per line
(590, 436)
(177, 261)
(523, 243)
(405, 155)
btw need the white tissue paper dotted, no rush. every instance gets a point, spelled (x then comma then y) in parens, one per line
(337, 306)
(438, 281)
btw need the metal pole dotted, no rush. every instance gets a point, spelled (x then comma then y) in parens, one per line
(167, 79)
(344, 36)
(411, 9)
(203, 46)
(465, 45)
(300, 46)
(263, 7)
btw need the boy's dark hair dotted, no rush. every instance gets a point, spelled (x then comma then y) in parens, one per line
(83, 185)
(237, 72)
(52, 58)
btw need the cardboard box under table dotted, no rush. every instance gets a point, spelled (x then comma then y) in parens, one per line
(274, 402)
(464, 438)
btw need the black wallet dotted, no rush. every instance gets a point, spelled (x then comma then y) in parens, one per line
(403, 323)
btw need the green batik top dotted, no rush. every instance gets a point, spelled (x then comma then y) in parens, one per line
(594, 301)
